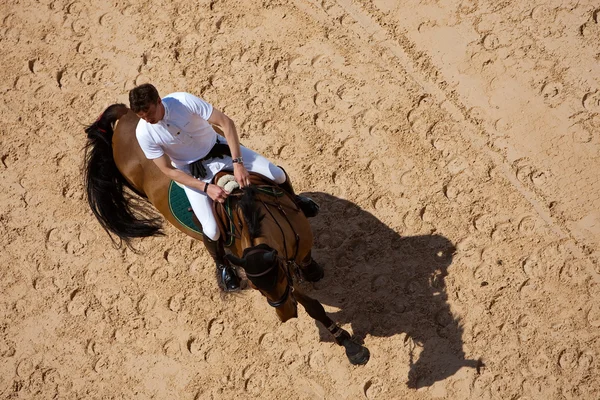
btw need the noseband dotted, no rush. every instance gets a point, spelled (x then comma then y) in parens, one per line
(283, 299)
(288, 289)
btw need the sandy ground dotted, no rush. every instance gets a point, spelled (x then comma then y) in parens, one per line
(420, 126)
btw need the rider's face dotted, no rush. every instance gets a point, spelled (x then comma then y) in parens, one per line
(153, 114)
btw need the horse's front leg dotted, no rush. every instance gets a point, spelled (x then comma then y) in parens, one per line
(310, 269)
(356, 353)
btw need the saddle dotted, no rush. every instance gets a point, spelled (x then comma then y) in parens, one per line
(228, 217)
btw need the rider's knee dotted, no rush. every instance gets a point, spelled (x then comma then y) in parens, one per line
(211, 232)
(278, 175)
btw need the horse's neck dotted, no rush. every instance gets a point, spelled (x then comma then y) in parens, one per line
(270, 241)
(271, 235)
(276, 230)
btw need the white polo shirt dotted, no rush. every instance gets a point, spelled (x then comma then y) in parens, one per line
(184, 133)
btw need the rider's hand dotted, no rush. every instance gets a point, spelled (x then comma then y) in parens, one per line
(216, 193)
(242, 176)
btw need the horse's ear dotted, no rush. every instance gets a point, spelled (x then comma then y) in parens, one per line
(240, 262)
(269, 258)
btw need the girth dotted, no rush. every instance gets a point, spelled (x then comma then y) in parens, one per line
(219, 150)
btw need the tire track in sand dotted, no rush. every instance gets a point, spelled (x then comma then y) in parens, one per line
(366, 29)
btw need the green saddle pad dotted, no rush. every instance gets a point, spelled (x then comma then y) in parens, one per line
(179, 205)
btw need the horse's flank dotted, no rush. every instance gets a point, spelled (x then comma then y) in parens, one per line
(142, 173)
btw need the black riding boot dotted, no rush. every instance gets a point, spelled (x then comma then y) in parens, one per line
(226, 275)
(308, 206)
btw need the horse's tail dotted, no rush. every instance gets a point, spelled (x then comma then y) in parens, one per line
(118, 211)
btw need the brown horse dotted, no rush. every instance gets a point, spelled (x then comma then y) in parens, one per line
(274, 239)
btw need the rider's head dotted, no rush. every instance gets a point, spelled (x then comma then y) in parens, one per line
(145, 102)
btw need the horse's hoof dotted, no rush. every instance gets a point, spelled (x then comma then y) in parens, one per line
(356, 353)
(313, 272)
(361, 357)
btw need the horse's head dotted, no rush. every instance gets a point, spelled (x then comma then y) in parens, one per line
(268, 273)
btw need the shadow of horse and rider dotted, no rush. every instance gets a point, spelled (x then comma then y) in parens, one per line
(385, 284)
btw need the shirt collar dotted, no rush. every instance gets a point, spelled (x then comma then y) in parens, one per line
(166, 116)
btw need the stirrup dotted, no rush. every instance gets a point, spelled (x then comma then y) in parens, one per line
(308, 206)
(228, 278)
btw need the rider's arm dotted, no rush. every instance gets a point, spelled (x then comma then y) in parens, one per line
(226, 124)
(213, 191)
(164, 164)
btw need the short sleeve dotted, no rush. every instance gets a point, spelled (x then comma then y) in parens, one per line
(198, 106)
(150, 148)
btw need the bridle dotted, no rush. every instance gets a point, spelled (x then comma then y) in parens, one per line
(289, 261)
(278, 264)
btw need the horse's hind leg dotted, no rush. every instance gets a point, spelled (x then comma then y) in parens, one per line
(356, 353)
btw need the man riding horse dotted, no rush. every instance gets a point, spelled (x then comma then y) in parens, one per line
(176, 132)
(273, 238)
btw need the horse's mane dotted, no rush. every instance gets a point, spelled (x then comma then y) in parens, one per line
(251, 212)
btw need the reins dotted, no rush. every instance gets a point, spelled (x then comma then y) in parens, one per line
(296, 236)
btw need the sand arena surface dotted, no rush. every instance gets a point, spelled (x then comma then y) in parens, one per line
(420, 126)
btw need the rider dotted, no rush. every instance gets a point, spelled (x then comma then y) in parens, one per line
(176, 133)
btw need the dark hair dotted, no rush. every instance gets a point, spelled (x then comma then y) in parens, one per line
(142, 96)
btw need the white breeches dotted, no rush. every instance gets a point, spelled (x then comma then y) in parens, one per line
(202, 204)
